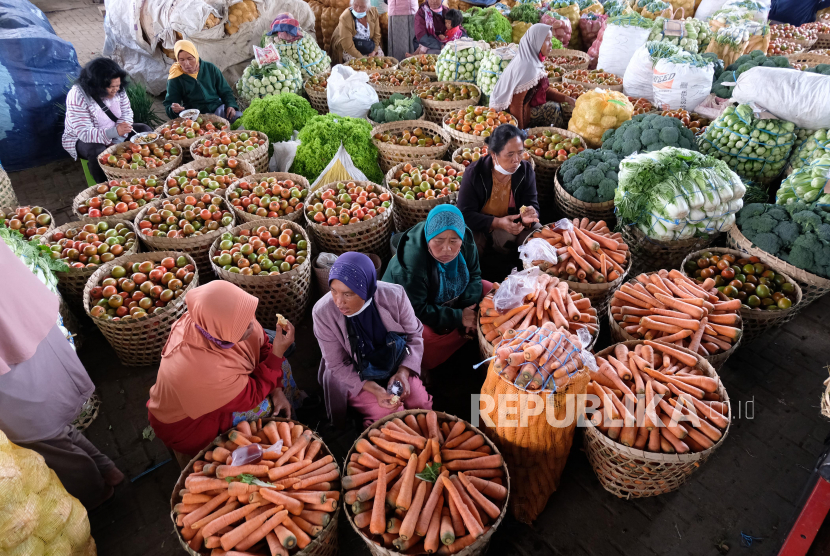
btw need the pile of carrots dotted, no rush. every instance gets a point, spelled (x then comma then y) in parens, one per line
(418, 486)
(272, 506)
(587, 252)
(552, 301)
(536, 358)
(655, 399)
(669, 306)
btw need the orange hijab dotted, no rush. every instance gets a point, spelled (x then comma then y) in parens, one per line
(196, 376)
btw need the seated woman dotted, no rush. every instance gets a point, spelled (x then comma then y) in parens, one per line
(219, 367)
(370, 338)
(522, 89)
(195, 83)
(437, 264)
(498, 194)
(429, 28)
(98, 114)
(357, 34)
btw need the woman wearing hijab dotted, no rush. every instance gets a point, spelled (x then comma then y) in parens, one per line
(357, 34)
(437, 264)
(522, 89)
(195, 83)
(498, 194)
(430, 28)
(370, 339)
(43, 386)
(219, 367)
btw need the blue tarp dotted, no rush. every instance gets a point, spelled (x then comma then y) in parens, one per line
(796, 12)
(35, 69)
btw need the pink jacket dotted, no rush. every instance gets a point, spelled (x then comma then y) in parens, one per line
(402, 7)
(337, 374)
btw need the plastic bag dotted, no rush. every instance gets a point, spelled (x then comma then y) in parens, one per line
(795, 96)
(810, 185)
(593, 52)
(572, 13)
(459, 60)
(814, 146)
(712, 106)
(349, 92)
(561, 26)
(537, 249)
(756, 10)
(341, 168)
(639, 75)
(519, 30)
(707, 8)
(589, 26)
(515, 288)
(622, 37)
(284, 153)
(597, 111)
(682, 82)
(251, 453)
(325, 260)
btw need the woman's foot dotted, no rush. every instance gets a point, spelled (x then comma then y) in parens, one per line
(113, 477)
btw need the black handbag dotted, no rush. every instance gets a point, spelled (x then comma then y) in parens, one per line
(364, 46)
(381, 363)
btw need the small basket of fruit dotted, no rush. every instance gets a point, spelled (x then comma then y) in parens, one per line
(402, 81)
(186, 131)
(271, 195)
(439, 99)
(127, 160)
(641, 106)
(86, 245)
(694, 122)
(420, 186)
(423, 63)
(250, 146)
(549, 147)
(570, 90)
(768, 296)
(186, 223)
(474, 123)
(134, 300)
(568, 59)
(350, 216)
(315, 89)
(280, 276)
(555, 73)
(399, 142)
(32, 222)
(468, 154)
(593, 79)
(373, 64)
(206, 175)
(121, 198)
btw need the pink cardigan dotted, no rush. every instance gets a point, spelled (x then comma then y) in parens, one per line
(337, 374)
(402, 7)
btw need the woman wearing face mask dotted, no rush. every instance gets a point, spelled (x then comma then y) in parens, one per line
(498, 194)
(358, 33)
(195, 83)
(370, 338)
(522, 89)
(429, 28)
(437, 264)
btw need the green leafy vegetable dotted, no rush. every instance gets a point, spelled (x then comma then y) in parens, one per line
(277, 116)
(526, 13)
(487, 25)
(430, 473)
(320, 139)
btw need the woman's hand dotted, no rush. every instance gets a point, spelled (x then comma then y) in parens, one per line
(282, 339)
(280, 403)
(468, 318)
(123, 128)
(403, 376)
(230, 112)
(176, 107)
(529, 216)
(383, 397)
(508, 224)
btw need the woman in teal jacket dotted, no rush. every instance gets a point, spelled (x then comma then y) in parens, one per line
(437, 264)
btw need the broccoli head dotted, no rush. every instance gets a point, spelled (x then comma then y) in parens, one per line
(669, 135)
(823, 233)
(788, 232)
(608, 134)
(759, 224)
(611, 175)
(808, 220)
(567, 174)
(586, 194)
(606, 190)
(649, 137)
(767, 242)
(804, 249)
(592, 176)
(750, 210)
(575, 184)
(798, 206)
(578, 163)
(777, 212)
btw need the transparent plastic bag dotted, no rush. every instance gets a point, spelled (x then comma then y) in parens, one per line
(515, 288)
(325, 260)
(537, 249)
(252, 453)
(284, 153)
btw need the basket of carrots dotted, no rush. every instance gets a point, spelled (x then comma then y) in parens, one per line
(670, 307)
(593, 260)
(424, 482)
(662, 413)
(263, 488)
(550, 300)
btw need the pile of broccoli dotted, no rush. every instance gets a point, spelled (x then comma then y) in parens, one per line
(648, 132)
(591, 176)
(822, 69)
(742, 64)
(794, 233)
(397, 107)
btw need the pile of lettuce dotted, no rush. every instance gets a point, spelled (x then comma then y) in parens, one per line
(487, 25)
(277, 116)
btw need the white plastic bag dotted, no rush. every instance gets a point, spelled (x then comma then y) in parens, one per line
(707, 8)
(341, 168)
(637, 81)
(619, 43)
(537, 249)
(284, 153)
(679, 84)
(791, 95)
(349, 92)
(515, 288)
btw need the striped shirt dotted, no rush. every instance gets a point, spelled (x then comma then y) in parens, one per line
(81, 122)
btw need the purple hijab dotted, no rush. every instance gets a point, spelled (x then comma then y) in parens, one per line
(357, 272)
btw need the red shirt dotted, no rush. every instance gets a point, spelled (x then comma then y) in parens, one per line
(190, 436)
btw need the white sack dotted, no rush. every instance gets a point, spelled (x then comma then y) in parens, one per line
(349, 92)
(791, 95)
(619, 43)
(677, 85)
(707, 8)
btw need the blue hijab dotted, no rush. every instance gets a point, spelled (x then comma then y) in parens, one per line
(357, 272)
(453, 276)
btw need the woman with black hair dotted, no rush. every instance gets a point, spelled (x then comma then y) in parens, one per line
(498, 194)
(98, 113)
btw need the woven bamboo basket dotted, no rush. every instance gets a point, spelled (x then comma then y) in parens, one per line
(591, 86)
(243, 168)
(437, 109)
(812, 286)
(574, 208)
(71, 283)
(808, 58)
(127, 174)
(461, 139)
(218, 122)
(89, 412)
(806, 44)
(649, 254)
(384, 90)
(408, 213)
(392, 155)
(403, 65)
(568, 52)
(243, 216)
(546, 169)
(195, 246)
(375, 124)
(324, 544)
(321, 273)
(89, 192)
(823, 41)
(318, 100)
(631, 473)
(139, 342)
(7, 196)
(12, 208)
(618, 334)
(369, 236)
(756, 321)
(286, 293)
(825, 399)
(479, 547)
(567, 110)
(387, 70)
(257, 157)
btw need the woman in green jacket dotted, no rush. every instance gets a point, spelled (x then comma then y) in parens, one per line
(437, 264)
(194, 83)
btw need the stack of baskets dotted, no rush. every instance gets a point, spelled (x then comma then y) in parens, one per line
(572, 207)
(408, 212)
(435, 110)
(244, 216)
(318, 99)
(218, 121)
(391, 154)
(115, 173)
(546, 169)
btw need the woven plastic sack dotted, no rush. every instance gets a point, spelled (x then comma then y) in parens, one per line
(561, 26)
(622, 37)
(494, 63)
(816, 145)
(808, 185)
(37, 515)
(590, 25)
(308, 56)
(681, 82)
(459, 60)
(519, 30)
(597, 111)
(795, 96)
(639, 75)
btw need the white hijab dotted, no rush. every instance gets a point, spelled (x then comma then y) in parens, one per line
(524, 71)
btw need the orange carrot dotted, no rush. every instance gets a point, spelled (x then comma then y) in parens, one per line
(206, 509)
(404, 499)
(459, 544)
(239, 534)
(459, 439)
(512, 312)
(313, 450)
(274, 545)
(293, 505)
(286, 470)
(232, 471)
(303, 540)
(423, 523)
(417, 441)
(470, 522)
(376, 525)
(486, 462)
(295, 448)
(455, 515)
(198, 484)
(286, 538)
(489, 508)
(332, 475)
(227, 519)
(431, 538)
(411, 518)
(681, 356)
(447, 533)
(401, 450)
